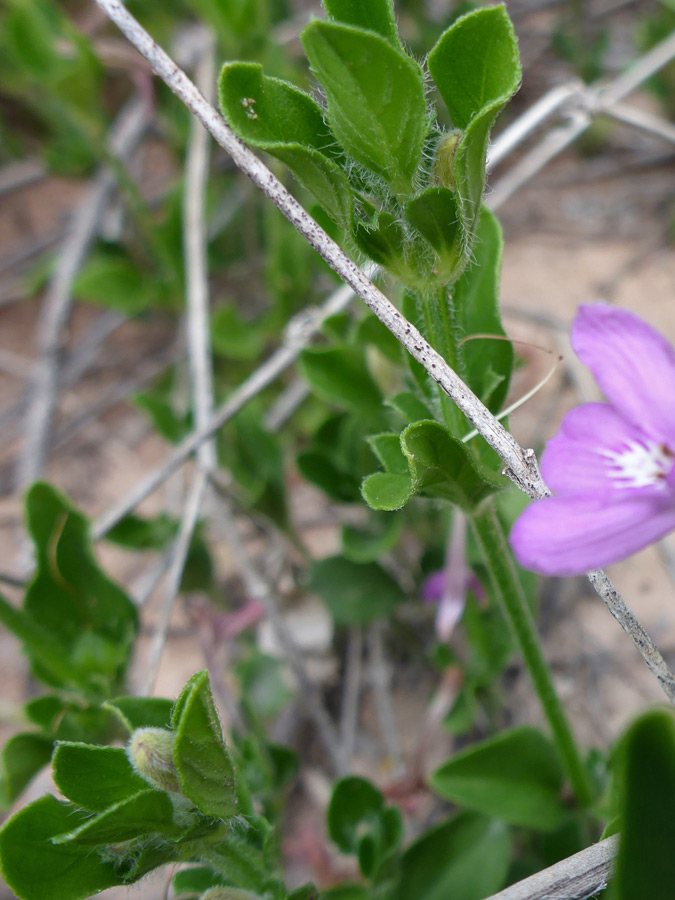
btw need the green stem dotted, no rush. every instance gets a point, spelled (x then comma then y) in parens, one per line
(508, 588)
(441, 332)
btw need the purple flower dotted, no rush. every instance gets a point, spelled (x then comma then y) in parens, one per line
(611, 466)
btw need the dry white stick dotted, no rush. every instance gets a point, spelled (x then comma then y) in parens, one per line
(258, 589)
(351, 692)
(58, 300)
(195, 245)
(576, 878)
(199, 346)
(598, 98)
(380, 676)
(640, 118)
(547, 149)
(20, 174)
(524, 125)
(174, 577)
(286, 403)
(299, 331)
(520, 464)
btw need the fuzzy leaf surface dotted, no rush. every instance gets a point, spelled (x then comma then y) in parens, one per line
(203, 764)
(375, 95)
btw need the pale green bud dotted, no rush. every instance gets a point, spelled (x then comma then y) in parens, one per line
(150, 752)
(444, 163)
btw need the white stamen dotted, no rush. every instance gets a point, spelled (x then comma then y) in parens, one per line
(639, 465)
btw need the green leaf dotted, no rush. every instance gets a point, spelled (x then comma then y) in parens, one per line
(340, 375)
(355, 593)
(358, 822)
(194, 881)
(147, 812)
(441, 466)
(346, 892)
(387, 448)
(515, 777)
(375, 15)
(43, 648)
(475, 63)
(646, 864)
(371, 331)
(438, 466)
(434, 214)
(72, 599)
(363, 545)
(476, 68)
(30, 860)
(43, 710)
(113, 281)
(136, 533)
(319, 469)
(204, 767)
(22, 758)
(141, 712)
(355, 807)
(306, 892)
(94, 777)
(262, 683)
(384, 241)
(466, 858)
(234, 338)
(375, 96)
(170, 424)
(277, 117)
(386, 491)
(410, 407)
(476, 300)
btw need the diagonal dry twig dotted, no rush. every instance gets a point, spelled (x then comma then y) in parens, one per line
(299, 331)
(576, 878)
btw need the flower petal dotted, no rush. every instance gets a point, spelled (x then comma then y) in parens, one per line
(571, 535)
(633, 364)
(573, 462)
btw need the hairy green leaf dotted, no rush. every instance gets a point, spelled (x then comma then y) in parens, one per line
(375, 15)
(279, 118)
(204, 767)
(375, 95)
(94, 777)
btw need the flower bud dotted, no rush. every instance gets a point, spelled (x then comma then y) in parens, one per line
(444, 162)
(150, 752)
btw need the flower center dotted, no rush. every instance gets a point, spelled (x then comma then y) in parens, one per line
(640, 464)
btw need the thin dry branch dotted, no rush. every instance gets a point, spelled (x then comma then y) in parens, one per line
(576, 878)
(173, 579)
(257, 588)
(351, 692)
(199, 347)
(299, 331)
(125, 134)
(598, 98)
(520, 464)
